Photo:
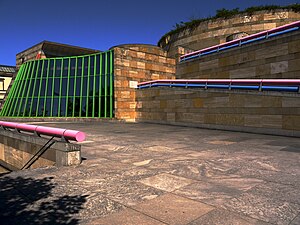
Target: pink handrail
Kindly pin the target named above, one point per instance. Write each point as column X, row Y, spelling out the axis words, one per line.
column 262, row 33
column 50, row 131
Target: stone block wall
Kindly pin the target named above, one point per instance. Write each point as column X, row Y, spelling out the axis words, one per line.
column 213, row 32
column 29, row 54
column 277, row 57
column 250, row 111
column 134, row 64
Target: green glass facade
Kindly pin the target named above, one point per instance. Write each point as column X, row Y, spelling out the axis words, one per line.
column 80, row 86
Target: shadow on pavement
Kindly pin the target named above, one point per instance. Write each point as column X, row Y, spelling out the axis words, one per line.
column 29, row 201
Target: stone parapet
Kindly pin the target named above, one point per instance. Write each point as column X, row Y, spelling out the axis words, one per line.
column 250, row 111
column 16, row 149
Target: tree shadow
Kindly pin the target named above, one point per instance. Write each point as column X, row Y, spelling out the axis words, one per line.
column 30, row 201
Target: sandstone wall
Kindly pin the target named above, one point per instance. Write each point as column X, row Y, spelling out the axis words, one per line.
column 277, row 57
column 29, row 54
column 215, row 32
column 251, row 111
column 133, row 64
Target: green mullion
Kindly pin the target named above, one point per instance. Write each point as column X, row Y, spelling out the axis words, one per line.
column 15, row 91
column 67, row 96
column 75, row 78
column 94, row 91
column 17, row 106
column 88, row 88
column 39, row 95
column 46, row 91
column 82, row 73
column 100, row 84
column 105, row 86
column 24, row 81
column 32, row 96
column 60, row 84
column 53, row 78
column 30, row 82
column 111, row 84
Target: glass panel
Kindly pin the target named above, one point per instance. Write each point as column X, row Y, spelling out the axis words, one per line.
column 34, row 104
column 51, row 68
column 22, row 107
column 77, row 106
column 72, row 69
column 27, row 107
column 66, row 67
column 48, row 107
column 84, row 86
column 98, row 64
column 37, row 87
column 83, row 107
column 97, row 78
column 92, row 60
column 96, row 105
column 41, row 107
column 55, row 107
column 90, row 106
column 45, row 68
column 91, row 86
column 56, row 86
column 43, row 87
column 70, row 106
column 103, row 63
column 79, row 66
column 63, row 107
column 86, row 65
column 78, row 85
column 64, row 86
column 58, row 68
column 49, row 89
column 71, row 86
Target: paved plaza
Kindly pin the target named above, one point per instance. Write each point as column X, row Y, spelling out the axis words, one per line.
column 159, row 174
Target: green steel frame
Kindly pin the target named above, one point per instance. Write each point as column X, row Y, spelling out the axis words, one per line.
column 77, row 86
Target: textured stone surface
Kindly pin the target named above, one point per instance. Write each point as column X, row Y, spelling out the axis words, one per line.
column 222, row 217
column 166, row 182
column 173, row 209
column 134, row 64
column 159, row 174
column 252, row 111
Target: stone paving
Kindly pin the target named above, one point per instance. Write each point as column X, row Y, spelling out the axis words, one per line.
column 159, row 174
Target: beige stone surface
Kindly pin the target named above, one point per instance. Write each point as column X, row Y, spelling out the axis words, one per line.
column 166, row 182
column 239, row 109
column 173, row 209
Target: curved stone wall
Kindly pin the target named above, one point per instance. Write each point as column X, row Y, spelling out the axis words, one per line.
column 215, row 32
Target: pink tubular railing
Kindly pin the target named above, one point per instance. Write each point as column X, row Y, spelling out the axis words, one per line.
column 49, row 131
column 237, row 41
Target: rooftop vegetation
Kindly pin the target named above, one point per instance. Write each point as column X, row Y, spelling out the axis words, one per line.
column 226, row 14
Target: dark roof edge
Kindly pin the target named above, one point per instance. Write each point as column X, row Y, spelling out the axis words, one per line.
column 59, row 44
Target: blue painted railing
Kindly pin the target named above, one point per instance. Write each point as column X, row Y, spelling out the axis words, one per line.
column 285, row 85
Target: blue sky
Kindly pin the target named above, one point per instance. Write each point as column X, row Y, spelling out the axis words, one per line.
column 100, row 24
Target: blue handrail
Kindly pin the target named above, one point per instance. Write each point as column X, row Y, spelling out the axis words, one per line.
column 225, row 86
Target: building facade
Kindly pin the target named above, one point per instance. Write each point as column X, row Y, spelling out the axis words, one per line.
column 6, row 74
